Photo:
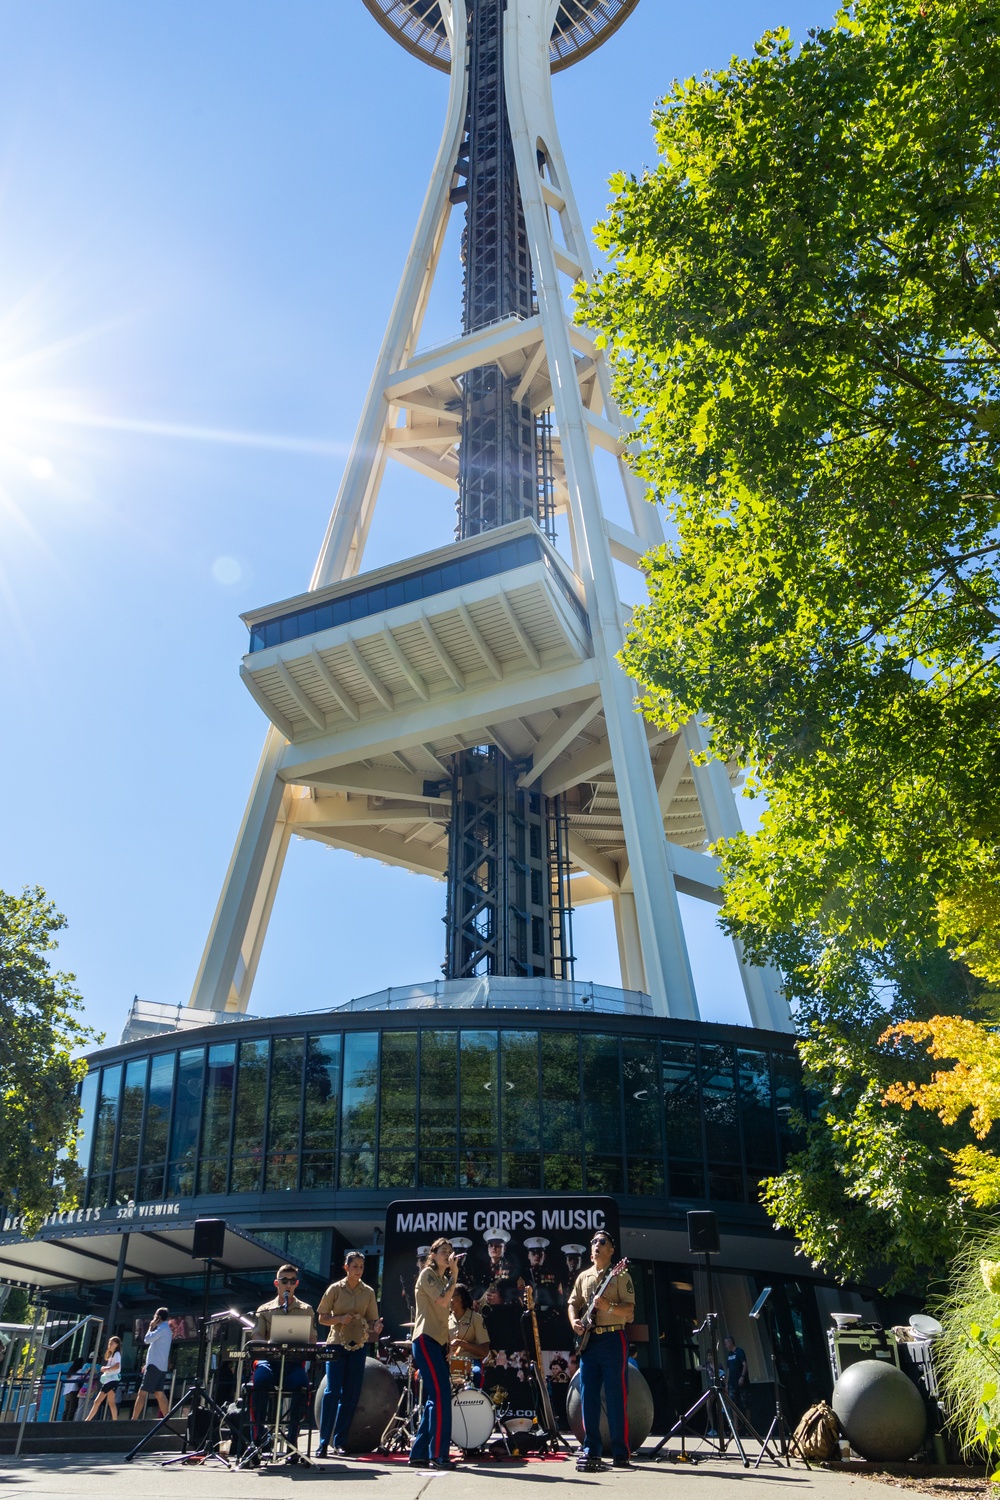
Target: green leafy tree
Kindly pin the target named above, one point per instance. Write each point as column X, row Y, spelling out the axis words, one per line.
column 39, row 1032
column 802, row 308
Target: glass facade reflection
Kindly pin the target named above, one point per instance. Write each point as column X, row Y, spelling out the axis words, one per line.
column 550, row 1107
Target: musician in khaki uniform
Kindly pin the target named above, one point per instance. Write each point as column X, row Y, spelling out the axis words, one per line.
column 349, row 1309
column 265, row 1377
column 470, row 1343
column 604, row 1360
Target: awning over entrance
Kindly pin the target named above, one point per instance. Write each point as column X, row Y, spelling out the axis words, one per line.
column 63, row 1255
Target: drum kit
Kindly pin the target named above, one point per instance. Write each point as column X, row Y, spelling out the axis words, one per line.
column 476, row 1417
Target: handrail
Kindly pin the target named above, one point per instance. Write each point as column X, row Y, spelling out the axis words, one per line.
column 88, row 1318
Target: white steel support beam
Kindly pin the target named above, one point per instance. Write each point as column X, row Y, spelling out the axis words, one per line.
column 533, row 127
column 244, row 907
column 765, row 995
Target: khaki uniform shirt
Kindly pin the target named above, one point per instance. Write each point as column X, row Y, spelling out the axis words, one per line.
column 619, row 1290
column 267, row 1310
column 339, row 1299
column 469, row 1326
column 430, row 1319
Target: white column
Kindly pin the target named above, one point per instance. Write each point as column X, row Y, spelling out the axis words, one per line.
column 629, row 942
column 763, row 988
column 250, row 883
column 668, row 971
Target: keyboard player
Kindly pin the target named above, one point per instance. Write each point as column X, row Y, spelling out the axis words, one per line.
column 266, row 1371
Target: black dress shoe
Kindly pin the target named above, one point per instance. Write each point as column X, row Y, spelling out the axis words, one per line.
column 590, row 1466
column 321, row 1451
column 419, row 1463
column 443, row 1463
column 340, row 1452
column 623, row 1463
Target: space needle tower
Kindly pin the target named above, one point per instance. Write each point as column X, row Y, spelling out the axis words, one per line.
column 462, row 713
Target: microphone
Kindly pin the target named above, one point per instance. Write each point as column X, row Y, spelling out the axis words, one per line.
column 285, row 1309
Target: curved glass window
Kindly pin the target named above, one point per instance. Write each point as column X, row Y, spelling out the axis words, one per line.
column 397, row 1147
column 284, row 1112
column 217, row 1119
column 248, row 1128
column 522, row 1166
column 478, row 1109
column 438, row 1108
column 321, row 1115
column 562, row 1139
column 359, row 1123
column 104, row 1137
column 130, row 1129
column 153, row 1174
column 186, row 1122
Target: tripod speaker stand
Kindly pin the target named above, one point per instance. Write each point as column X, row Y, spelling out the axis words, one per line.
column 203, row 1406
column 721, row 1415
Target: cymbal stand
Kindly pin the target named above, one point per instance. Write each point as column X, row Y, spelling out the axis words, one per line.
column 401, row 1429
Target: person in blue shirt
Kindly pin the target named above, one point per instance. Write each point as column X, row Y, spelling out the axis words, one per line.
column 158, row 1339
column 737, row 1374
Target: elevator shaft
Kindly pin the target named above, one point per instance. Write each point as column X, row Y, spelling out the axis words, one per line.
column 508, row 903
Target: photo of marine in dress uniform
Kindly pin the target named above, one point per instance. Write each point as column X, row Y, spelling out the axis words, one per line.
column 498, row 1265
column 575, row 1256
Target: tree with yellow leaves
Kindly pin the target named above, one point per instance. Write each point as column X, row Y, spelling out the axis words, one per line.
column 973, row 1083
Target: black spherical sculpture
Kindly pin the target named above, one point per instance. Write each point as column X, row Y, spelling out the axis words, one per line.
column 639, row 1410
column 881, row 1411
column 379, row 1395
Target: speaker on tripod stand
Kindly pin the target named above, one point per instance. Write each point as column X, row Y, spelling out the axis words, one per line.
column 721, row 1416
column 204, row 1426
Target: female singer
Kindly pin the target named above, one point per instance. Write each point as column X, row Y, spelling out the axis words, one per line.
column 433, row 1293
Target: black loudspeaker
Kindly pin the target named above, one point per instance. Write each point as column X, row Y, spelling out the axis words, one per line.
column 703, row 1231
column 209, row 1241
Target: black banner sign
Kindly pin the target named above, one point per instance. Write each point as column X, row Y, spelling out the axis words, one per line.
column 509, row 1244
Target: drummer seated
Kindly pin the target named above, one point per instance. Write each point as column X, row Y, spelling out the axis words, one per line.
column 467, row 1334
column 267, row 1372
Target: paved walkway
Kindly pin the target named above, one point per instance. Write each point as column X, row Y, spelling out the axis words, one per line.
column 109, row 1478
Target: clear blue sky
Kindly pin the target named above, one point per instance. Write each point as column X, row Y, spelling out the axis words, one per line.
column 204, row 210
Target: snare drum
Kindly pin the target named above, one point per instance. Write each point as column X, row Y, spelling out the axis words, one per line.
column 461, row 1369
column 473, row 1417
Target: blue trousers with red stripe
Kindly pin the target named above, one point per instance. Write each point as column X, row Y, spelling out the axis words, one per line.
column 433, row 1438
column 604, row 1364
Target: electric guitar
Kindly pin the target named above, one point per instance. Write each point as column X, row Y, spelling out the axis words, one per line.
column 588, row 1316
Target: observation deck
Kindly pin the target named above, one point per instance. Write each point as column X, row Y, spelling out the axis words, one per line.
column 494, row 606
column 581, row 26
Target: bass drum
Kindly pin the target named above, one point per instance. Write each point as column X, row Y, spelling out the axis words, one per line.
column 379, row 1396
column 639, row 1409
column 472, row 1419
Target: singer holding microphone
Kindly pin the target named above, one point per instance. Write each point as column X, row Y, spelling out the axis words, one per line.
column 431, row 1337
column 265, row 1377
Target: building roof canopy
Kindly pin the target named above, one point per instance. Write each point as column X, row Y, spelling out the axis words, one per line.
column 580, row 27
column 63, row 1255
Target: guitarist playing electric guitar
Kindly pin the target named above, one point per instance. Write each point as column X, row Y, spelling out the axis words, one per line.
column 601, row 1303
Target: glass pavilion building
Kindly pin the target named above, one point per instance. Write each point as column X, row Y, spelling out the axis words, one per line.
column 301, row 1129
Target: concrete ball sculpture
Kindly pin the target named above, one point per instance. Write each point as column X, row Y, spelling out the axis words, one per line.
column 379, row 1394
column 880, row 1410
column 639, row 1410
